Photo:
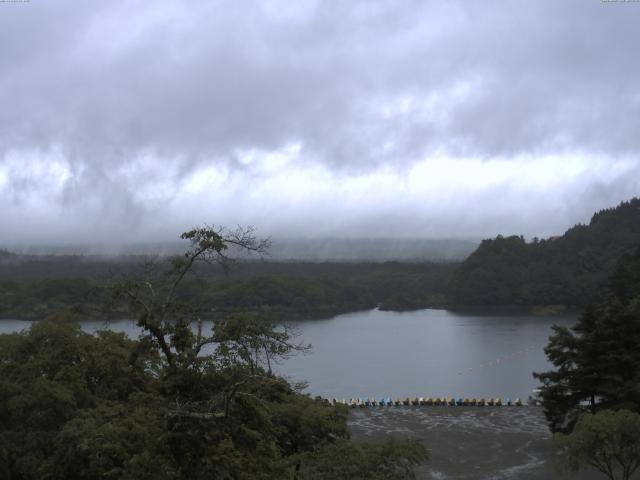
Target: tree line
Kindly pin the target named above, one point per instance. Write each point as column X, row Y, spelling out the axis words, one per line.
column 36, row 287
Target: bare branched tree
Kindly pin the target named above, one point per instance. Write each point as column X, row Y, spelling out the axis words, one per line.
column 172, row 325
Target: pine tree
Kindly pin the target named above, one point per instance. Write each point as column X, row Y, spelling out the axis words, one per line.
column 597, row 360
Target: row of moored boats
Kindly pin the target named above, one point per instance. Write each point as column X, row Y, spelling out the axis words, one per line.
column 420, row 401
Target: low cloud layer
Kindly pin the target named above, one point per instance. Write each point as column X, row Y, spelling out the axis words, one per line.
column 128, row 121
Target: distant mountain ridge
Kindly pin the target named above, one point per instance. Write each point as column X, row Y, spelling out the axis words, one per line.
column 568, row 270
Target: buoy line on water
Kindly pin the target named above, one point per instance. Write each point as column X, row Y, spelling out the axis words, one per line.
column 497, row 361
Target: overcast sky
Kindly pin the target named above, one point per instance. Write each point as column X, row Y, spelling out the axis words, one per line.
column 132, row 120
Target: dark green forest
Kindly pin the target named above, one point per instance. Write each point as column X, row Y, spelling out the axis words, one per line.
column 570, row 270
column 34, row 287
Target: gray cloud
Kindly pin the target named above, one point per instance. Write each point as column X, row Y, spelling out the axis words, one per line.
column 124, row 95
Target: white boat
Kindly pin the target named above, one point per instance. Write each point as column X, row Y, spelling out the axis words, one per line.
column 535, row 398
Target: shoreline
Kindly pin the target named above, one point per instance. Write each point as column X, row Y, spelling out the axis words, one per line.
column 289, row 315
column 470, row 443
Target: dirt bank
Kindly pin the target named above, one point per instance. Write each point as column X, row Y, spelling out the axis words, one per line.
column 479, row 443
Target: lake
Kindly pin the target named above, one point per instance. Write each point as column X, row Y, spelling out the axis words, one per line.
column 418, row 353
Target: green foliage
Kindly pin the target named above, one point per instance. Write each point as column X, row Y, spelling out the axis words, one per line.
column 112, row 441
column 303, row 425
column 78, row 406
column 252, row 341
column 51, row 374
column 597, row 361
column 392, row 460
column 178, row 403
column 607, row 441
column 568, row 270
column 37, row 289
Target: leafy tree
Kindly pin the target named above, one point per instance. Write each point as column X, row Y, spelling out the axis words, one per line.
column 50, row 375
column 112, row 441
column 253, row 341
column 392, row 460
column 607, row 441
column 166, row 319
column 178, row 403
column 597, row 361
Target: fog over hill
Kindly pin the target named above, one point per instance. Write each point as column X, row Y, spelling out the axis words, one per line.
column 289, row 249
column 382, row 249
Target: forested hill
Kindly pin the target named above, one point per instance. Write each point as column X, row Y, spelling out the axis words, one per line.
column 568, row 270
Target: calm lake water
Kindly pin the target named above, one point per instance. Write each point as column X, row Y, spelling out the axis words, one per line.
column 420, row 353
